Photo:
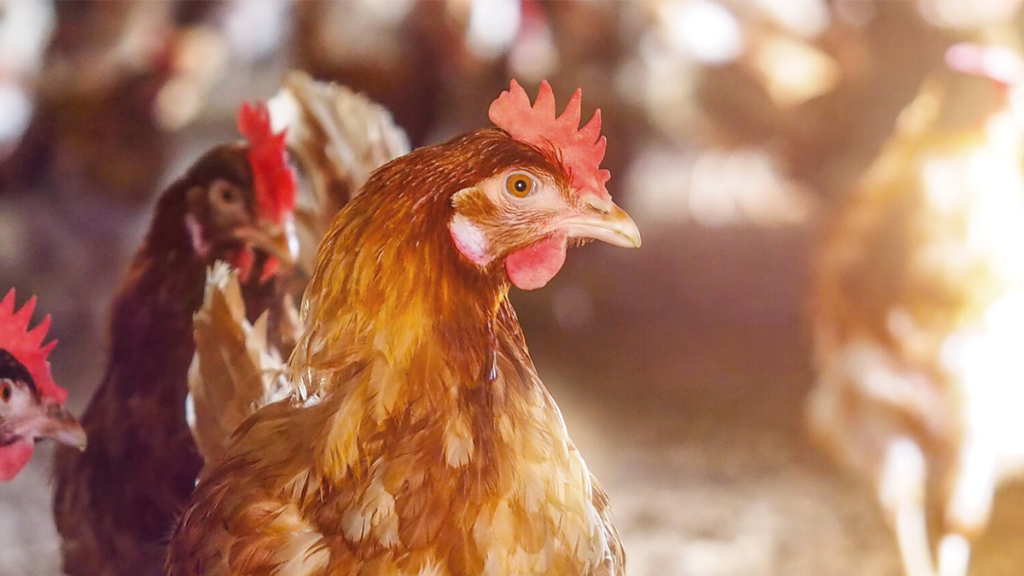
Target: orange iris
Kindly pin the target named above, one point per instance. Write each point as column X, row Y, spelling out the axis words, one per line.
column 519, row 185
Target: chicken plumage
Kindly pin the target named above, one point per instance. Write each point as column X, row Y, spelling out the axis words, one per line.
column 31, row 403
column 918, row 312
column 419, row 438
column 116, row 503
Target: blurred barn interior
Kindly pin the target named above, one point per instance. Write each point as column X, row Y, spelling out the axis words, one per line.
column 734, row 128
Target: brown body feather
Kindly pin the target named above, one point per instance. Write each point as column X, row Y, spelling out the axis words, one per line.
column 420, row 439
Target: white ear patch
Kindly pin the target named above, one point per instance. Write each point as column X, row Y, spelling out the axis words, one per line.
column 470, row 240
column 195, row 232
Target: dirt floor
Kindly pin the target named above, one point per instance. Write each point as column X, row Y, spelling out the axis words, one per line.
column 681, row 369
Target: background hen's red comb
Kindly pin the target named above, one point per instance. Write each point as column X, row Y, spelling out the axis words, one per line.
column 580, row 151
column 27, row 345
column 273, row 180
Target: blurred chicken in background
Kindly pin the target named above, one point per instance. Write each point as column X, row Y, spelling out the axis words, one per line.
column 918, row 311
column 114, row 503
column 117, row 79
column 94, row 123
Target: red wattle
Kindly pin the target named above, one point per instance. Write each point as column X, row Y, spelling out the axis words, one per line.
column 534, row 266
column 14, row 457
column 243, row 260
column 271, row 267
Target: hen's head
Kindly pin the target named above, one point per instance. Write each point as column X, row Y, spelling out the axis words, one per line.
column 550, row 191
column 31, row 403
column 468, row 216
column 239, row 199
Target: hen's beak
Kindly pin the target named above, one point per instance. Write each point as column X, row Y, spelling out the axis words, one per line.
column 277, row 240
column 52, row 421
column 605, row 221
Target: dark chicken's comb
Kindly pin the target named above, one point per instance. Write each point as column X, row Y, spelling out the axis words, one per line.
column 27, row 345
column 273, row 180
column 580, row 151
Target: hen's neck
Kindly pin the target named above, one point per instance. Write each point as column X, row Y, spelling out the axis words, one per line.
column 151, row 336
column 395, row 293
column 399, row 330
column 151, row 326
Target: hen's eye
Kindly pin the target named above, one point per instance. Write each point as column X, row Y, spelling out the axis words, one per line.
column 5, row 390
column 224, row 194
column 519, row 185
column 227, row 195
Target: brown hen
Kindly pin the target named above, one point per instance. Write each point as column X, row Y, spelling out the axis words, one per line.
column 116, row 503
column 419, row 438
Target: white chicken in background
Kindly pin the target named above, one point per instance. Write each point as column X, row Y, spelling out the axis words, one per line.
column 918, row 312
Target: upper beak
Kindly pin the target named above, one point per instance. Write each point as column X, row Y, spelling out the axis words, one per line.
column 604, row 221
column 55, row 422
column 278, row 240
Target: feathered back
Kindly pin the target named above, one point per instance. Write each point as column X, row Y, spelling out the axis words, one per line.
column 27, row 345
column 337, row 138
column 234, row 370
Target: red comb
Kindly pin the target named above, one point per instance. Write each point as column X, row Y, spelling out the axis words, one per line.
column 580, row 151
column 27, row 345
column 273, row 180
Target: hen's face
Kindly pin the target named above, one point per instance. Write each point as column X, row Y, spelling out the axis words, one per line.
column 224, row 221
column 526, row 217
column 26, row 416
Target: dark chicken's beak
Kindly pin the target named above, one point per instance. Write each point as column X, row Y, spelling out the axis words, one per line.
column 52, row 421
column 604, row 221
column 277, row 240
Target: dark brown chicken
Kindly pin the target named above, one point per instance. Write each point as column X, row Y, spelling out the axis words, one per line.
column 115, row 503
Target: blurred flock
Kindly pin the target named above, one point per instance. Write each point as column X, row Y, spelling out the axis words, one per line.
column 735, row 129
